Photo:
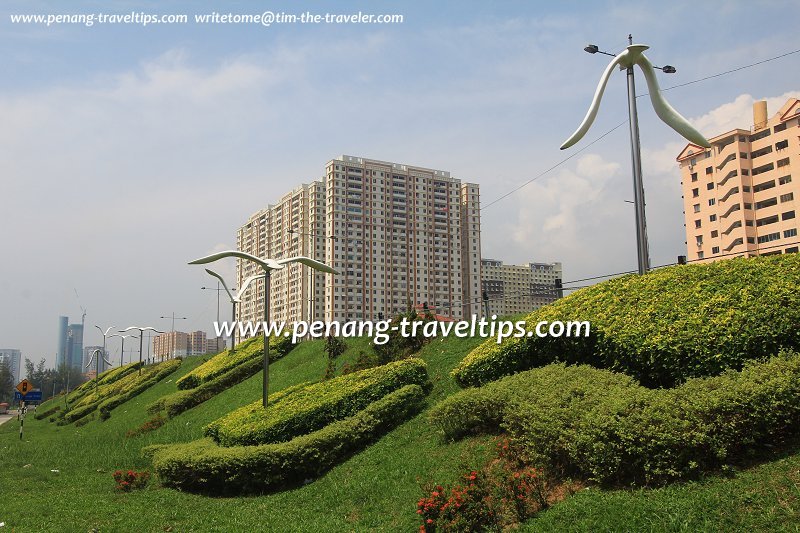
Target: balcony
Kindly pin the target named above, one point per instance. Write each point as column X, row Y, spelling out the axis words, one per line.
column 731, row 174
column 728, row 194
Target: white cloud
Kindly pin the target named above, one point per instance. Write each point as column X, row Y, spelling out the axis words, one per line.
column 738, row 113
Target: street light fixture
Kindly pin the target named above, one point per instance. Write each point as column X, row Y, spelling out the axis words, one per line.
column 235, row 298
column 634, row 55
column 174, row 318
column 141, row 336
column 218, row 289
column 122, row 349
column 267, row 265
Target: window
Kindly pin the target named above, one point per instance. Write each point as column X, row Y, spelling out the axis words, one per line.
column 764, row 151
column 710, row 186
column 700, row 255
column 742, row 155
column 784, row 180
column 766, row 221
column 695, row 193
column 780, row 127
column 788, row 215
column 783, row 162
column 787, row 197
column 715, row 250
column 694, row 176
column 709, row 170
column 760, row 135
column 712, row 218
column 767, row 203
column 714, row 234
column 792, row 250
column 782, row 145
column 697, row 223
column 751, row 240
column 769, row 237
column 696, row 208
column 790, row 233
column 712, row 201
column 764, row 186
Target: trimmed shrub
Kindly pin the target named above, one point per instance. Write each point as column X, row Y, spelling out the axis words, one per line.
column 202, row 466
column 183, row 400
column 106, row 378
column 225, row 361
column 662, row 328
column 314, row 406
column 110, row 395
column 160, row 371
column 577, row 420
column 45, row 414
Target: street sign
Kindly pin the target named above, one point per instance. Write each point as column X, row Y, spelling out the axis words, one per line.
column 31, row 396
column 24, row 387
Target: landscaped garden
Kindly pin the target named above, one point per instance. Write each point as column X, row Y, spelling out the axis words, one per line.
column 680, row 412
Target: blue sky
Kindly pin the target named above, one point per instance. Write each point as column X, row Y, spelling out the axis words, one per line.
column 130, row 150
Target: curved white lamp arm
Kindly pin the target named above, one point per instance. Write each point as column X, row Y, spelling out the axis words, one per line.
column 666, row 112
column 633, row 55
column 148, row 328
column 267, row 264
column 246, row 284
column 313, row 263
column 230, row 294
column 595, row 105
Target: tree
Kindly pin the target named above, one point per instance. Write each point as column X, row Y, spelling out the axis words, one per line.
column 6, row 383
column 334, row 347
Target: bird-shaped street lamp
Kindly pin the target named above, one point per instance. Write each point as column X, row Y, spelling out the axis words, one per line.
column 236, row 298
column 267, row 265
column 141, row 336
column 634, row 55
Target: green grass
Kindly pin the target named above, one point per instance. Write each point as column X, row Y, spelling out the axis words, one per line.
column 376, row 490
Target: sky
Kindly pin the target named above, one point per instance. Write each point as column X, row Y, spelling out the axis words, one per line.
column 128, row 150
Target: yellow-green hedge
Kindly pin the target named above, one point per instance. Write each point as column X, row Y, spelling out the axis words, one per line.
column 202, row 466
column 662, row 328
column 314, row 406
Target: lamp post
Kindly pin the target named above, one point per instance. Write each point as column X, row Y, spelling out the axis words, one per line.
column 218, row 289
column 312, row 288
column 122, row 349
column 174, row 318
column 141, row 336
column 105, row 334
column 267, row 265
column 634, row 55
column 235, row 298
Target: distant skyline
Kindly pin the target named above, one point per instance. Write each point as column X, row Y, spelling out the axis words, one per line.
column 130, row 150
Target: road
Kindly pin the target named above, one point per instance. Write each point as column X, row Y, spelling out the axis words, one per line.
column 12, row 414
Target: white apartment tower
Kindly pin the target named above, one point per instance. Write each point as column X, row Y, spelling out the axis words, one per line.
column 398, row 234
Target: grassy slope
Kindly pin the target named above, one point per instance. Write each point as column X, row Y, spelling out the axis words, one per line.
column 375, row 490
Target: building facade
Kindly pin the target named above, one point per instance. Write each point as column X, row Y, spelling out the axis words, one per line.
column 70, row 344
column 514, row 289
column 13, row 358
column 398, row 234
column 181, row 344
column 740, row 195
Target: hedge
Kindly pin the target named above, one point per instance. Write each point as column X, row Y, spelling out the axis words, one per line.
column 161, row 371
column 202, row 466
column 183, row 400
column 105, row 378
column 314, row 406
column 225, row 361
column 581, row 421
column 664, row 327
column 109, row 395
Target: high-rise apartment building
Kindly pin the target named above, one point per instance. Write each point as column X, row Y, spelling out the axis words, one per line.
column 398, row 234
column 181, row 344
column 740, row 196
column 513, row 289
column 13, row 358
column 294, row 226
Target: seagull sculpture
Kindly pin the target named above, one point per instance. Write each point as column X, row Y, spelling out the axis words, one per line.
column 141, row 337
column 634, row 55
column 235, row 298
column 267, row 265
